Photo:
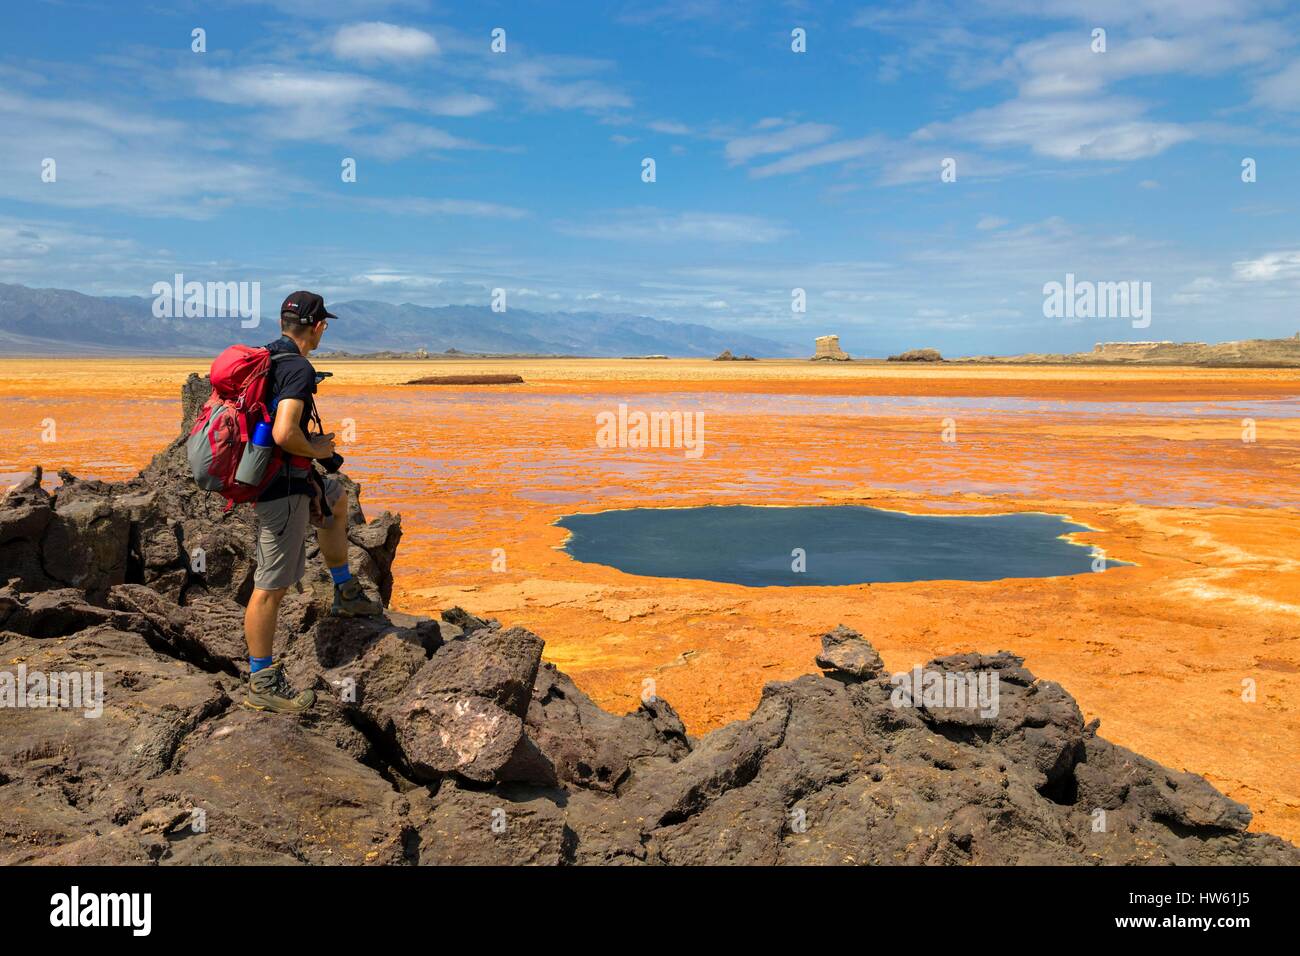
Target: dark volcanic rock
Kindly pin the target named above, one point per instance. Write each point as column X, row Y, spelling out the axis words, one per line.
column 497, row 665
column 462, row 712
column 66, row 768
column 507, row 825
column 591, row 748
column 449, row 741
column 26, row 514
column 275, row 789
column 55, row 613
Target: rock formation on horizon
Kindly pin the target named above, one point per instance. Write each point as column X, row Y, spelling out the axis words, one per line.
column 503, row 379
column 828, row 349
column 450, row 740
column 1245, row 353
column 917, row 355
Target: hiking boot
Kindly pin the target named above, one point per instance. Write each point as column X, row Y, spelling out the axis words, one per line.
column 268, row 690
column 351, row 601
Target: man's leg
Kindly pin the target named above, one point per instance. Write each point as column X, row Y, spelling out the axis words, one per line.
column 281, row 559
column 349, row 599
column 259, row 620
column 333, row 538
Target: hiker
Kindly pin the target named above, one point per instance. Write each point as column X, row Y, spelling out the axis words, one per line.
column 298, row 496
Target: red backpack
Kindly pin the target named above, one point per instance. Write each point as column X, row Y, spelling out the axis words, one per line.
column 226, row 422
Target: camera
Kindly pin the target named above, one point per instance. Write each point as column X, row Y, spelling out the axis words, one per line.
column 333, row 463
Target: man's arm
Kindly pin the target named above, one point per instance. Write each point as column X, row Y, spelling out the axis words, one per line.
column 288, row 434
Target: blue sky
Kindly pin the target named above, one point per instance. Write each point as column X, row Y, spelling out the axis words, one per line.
column 775, row 170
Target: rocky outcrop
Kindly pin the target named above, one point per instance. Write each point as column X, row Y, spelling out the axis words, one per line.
column 828, row 349
column 726, row 356
column 467, row 380
column 450, row 740
column 917, row 355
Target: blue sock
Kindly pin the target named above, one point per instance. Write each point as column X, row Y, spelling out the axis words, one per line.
column 255, row 664
column 341, row 575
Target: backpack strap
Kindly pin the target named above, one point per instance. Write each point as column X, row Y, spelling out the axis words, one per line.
column 276, row 357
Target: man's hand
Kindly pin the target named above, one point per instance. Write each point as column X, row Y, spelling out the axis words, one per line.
column 324, row 445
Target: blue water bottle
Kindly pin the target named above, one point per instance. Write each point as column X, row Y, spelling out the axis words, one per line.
column 257, row 454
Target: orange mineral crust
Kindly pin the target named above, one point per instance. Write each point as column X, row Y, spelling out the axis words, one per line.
column 1191, row 656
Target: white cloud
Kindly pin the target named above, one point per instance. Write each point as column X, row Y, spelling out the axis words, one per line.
column 108, row 158
column 903, row 164
column 744, row 148
column 990, row 222
column 1064, row 108
column 301, row 103
column 649, row 225
column 1065, row 65
column 292, row 88
column 425, row 206
column 669, row 127
column 1144, row 12
column 324, row 104
column 378, row 41
column 38, row 252
column 1200, row 289
column 97, row 116
column 394, row 279
column 400, row 140
column 820, row 156
column 557, row 82
column 1281, row 91
column 1099, row 128
column 460, row 104
column 1268, row 267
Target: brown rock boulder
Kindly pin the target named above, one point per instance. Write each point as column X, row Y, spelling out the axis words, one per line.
column 462, row 712
column 846, row 652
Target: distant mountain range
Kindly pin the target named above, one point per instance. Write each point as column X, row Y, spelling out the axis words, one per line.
column 60, row 321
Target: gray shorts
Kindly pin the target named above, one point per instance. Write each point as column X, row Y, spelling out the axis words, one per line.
column 284, row 524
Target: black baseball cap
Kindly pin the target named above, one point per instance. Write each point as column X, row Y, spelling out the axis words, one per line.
column 307, row 307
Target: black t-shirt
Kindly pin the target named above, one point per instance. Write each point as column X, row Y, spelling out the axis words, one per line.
column 292, row 377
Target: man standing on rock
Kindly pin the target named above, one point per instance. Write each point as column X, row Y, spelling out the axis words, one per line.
column 296, row 498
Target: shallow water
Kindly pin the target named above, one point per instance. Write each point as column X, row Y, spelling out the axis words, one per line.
column 842, row 544
column 422, row 453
